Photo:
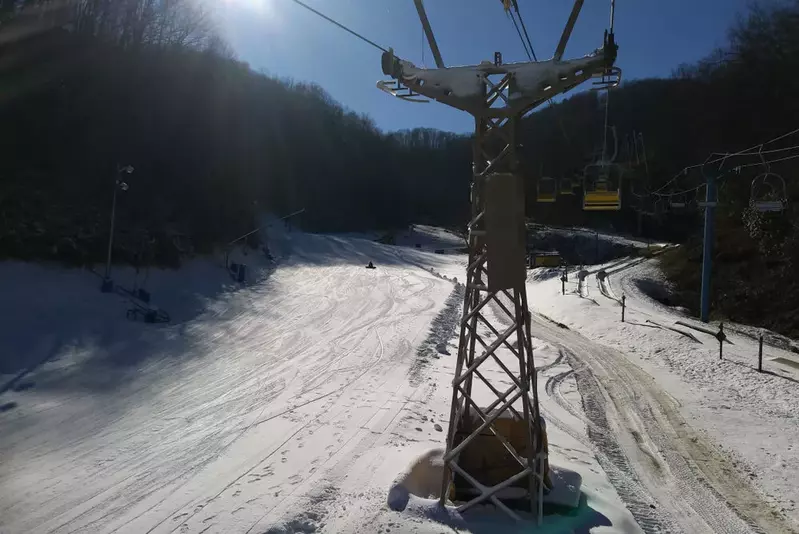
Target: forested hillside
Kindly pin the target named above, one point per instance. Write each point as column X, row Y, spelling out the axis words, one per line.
column 737, row 99
column 110, row 83
column 96, row 84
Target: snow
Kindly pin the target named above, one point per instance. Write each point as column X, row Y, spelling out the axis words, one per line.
column 752, row 416
column 569, row 451
column 459, row 81
column 534, row 79
column 605, row 236
column 430, row 238
column 301, row 400
column 287, row 404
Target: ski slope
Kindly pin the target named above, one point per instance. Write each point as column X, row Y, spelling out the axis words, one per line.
column 271, row 393
column 734, row 429
column 292, row 404
column 289, row 405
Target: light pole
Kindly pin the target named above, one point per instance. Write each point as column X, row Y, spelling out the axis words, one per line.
column 107, row 284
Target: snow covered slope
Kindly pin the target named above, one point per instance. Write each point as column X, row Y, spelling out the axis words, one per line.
column 430, row 238
column 673, row 393
column 288, row 405
column 271, row 392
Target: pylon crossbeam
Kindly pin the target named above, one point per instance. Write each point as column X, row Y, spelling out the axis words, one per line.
column 483, row 357
column 494, row 331
column 492, row 164
column 505, row 443
column 495, row 391
column 479, row 306
column 500, row 363
column 497, row 90
column 502, row 407
column 507, row 345
column 487, row 492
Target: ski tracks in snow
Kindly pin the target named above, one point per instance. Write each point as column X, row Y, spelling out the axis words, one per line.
column 671, row 479
column 372, row 400
column 286, row 388
column 668, row 475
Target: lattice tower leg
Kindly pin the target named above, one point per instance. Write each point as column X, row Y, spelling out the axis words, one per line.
column 494, row 150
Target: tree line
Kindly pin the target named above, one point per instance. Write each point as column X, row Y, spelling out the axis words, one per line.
column 98, row 83
column 739, row 96
column 87, row 85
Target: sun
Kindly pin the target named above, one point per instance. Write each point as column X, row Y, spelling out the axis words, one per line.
column 261, row 7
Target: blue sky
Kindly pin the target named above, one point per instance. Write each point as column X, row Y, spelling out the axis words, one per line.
column 284, row 39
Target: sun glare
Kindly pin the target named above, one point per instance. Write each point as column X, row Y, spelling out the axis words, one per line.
column 261, row 7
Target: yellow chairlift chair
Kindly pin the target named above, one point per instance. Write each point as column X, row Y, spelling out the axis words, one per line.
column 602, row 187
column 546, row 190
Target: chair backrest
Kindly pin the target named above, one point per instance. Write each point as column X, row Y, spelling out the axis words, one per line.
column 546, row 190
column 601, row 201
column 768, row 193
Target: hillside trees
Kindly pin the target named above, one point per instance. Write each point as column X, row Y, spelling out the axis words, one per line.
column 147, row 83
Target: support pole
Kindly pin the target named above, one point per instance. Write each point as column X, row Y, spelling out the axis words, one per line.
column 567, row 30
column 623, row 306
column 596, row 253
column 707, row 253
column 641, row 224
column 760, row 354
column 111, row 231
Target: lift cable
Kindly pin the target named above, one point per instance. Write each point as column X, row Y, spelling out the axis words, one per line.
column 356, row 34
column 530, row 54
column 521, row 21
column 678, row 193
column 747, row 152
column 605, row 130
column 767, row 162
column 772, row 151
column 730, row 171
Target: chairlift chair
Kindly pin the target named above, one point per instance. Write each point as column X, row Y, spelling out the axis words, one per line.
column 646, row 205
column 566, row 186
column 639, row 190
column 652, row 206
column 660, row 207
column 768, row 193
column 546, row 190
column 678, row 202
column 602, row 187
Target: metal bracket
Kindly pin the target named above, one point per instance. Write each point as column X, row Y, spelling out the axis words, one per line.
column 609, row 79
column 395, row 88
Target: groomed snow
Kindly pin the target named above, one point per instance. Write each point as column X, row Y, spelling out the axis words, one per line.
column 287, row 405
column 751, row 416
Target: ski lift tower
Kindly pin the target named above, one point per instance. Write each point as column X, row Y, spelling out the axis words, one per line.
column 498, row 96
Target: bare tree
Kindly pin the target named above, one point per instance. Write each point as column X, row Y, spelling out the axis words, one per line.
column 181, row 23
column 132, row 23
